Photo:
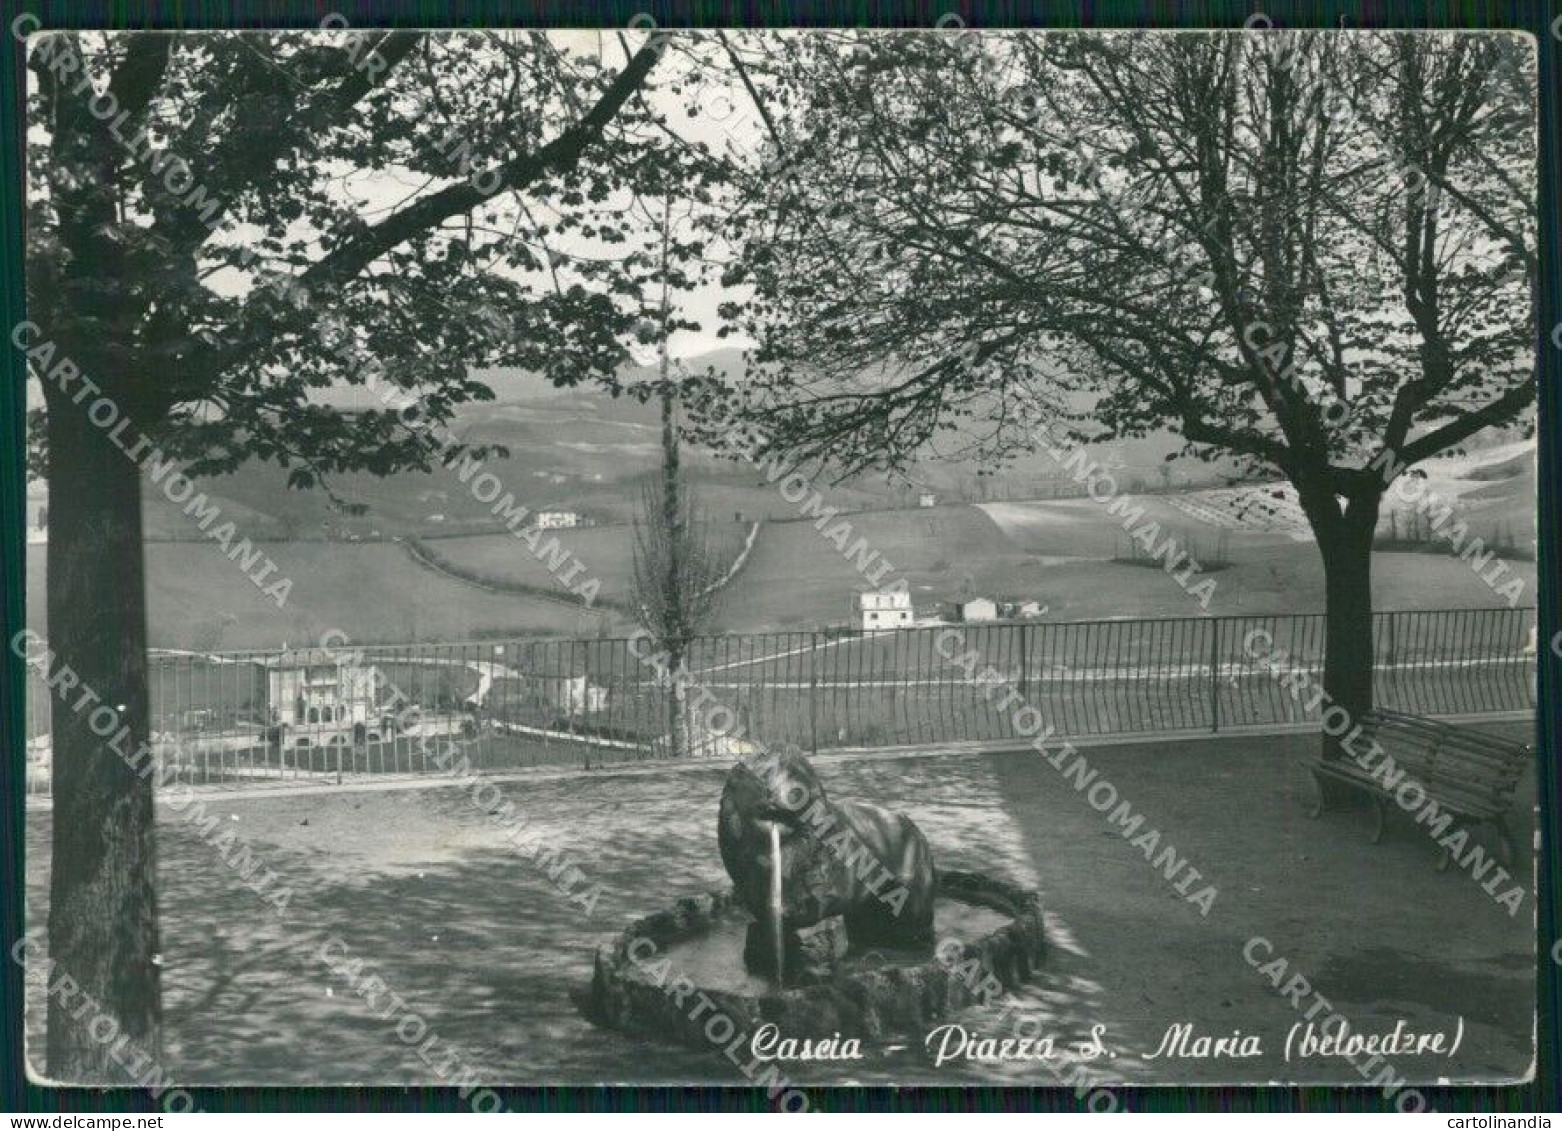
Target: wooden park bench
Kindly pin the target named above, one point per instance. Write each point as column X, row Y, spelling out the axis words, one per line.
column 1468, row 773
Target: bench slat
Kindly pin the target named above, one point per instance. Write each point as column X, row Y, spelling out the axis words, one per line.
column 1469, row 773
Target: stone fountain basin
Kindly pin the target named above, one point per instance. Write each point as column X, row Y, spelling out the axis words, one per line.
column 635, row 983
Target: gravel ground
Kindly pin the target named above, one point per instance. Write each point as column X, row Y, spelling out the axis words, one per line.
column 486, row 949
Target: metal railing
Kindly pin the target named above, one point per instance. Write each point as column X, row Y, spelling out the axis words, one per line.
column 248, row 717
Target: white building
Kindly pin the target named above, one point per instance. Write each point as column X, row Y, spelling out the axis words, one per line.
column 557, row 520
column 568, row 694
column 877, row 612
column 978, row 609
column 927, row 499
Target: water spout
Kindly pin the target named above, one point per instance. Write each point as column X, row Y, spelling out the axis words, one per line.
column 777, row 931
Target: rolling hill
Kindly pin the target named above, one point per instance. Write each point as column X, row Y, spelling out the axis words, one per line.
column 580, row 449
column 583, row 449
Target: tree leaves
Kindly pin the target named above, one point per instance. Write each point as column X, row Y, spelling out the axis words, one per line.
column 1212, row 233
column 287, row 145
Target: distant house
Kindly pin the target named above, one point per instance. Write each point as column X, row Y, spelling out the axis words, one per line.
column 977, row 609
column 557, row 520
column 568, row 694
column 318, row 698
column 927, row 499
column 877, row 612
column 559, row 685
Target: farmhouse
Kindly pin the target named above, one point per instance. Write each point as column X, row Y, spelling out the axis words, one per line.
column 318, row 697
column 550, row 684
column 557, row 520
column 877, row 612
column 977, row 609
column 927, row 499
column 568, row 694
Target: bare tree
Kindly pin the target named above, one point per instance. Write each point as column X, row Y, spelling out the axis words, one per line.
column 675, row 573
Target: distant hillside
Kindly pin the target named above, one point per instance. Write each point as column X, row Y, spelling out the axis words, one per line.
column 585, row 450
column 1068, row 555
column 519, row 385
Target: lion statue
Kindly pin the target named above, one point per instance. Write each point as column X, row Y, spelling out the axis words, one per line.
column 870, row 866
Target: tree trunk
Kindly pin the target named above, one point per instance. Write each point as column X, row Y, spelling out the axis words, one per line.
column 677, row 728
column 675, row 614
column 1348, row 640
column 672, row 515
column 102, row 901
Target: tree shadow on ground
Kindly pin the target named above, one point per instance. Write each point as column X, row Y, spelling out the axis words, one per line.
column 424, row 893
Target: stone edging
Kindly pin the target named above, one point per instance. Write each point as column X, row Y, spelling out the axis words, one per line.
column 634, row 996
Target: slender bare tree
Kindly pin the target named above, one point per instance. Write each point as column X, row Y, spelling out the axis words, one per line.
column 675, row 573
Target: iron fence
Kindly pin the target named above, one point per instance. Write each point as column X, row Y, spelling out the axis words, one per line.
column 250, row 717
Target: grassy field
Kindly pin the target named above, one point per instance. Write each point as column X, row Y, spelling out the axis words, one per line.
column 607, row 552
column 1060, row 554
column 1068, row 555
column 374, row 592
column 580, row 452
column 794, row 579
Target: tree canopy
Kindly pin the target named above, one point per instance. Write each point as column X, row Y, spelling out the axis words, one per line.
column 1304, row 249
column 223, row 224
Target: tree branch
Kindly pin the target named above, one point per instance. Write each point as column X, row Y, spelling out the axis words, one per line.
column 427, row 212
column 1499, row 411
column 139, row 77
column 349, row 259
column 187, row 228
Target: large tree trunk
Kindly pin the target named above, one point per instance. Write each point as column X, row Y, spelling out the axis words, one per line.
column 1348, row 643
column 102, row 903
